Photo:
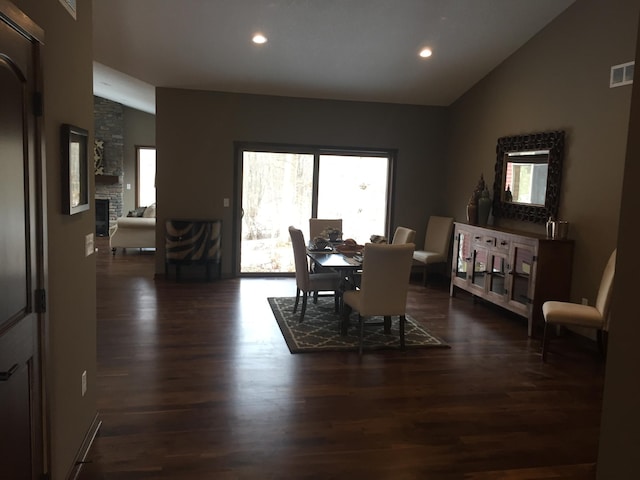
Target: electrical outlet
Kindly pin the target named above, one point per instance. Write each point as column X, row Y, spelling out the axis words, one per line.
column 225, row 202
column 84, row 382
column 585, row 301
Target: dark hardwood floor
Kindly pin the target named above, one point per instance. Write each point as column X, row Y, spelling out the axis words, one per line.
column 196, row 382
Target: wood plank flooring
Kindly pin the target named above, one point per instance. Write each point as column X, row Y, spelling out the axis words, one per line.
column 196, row 382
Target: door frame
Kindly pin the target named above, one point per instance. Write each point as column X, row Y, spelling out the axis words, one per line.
column 316, row 150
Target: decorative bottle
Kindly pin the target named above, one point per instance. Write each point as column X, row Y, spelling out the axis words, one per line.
column 484, row 207
column 472, row 211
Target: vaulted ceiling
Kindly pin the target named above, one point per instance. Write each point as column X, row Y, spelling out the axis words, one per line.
column 364, row 50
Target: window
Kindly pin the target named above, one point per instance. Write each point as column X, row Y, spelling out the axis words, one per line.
column 145, row 176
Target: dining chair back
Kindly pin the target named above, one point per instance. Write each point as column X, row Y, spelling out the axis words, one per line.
column 307, row 282
column 318, row 225
column 383, row 289
column 403, row 235
column 437, row 243
column 574, row 314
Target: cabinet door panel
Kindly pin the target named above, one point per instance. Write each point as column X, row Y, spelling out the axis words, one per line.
column 480, row 267
column 463, row 256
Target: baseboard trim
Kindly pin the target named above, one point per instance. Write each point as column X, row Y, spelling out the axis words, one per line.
column 81, row 456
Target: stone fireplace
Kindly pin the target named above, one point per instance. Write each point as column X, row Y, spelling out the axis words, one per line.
column 109, row 129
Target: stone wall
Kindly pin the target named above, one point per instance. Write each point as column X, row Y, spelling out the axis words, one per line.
column 109, row 128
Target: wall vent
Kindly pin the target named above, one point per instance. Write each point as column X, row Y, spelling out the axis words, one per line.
column 621, row 74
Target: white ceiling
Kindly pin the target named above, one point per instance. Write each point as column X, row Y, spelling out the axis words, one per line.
column 340, row 49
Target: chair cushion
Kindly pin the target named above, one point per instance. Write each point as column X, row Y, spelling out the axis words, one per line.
column 565, row 313
column 428, row 257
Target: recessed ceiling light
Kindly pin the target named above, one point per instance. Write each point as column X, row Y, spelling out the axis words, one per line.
column 425, row 52
column 259, row 38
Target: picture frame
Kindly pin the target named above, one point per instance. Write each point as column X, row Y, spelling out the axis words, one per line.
column 75, row 169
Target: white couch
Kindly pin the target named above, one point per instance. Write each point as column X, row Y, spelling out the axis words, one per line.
column 134, row 232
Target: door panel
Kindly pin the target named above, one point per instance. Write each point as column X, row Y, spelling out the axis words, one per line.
column 21, row 257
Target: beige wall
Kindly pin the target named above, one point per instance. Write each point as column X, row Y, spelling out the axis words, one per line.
column 68, row 98
column 196, row 131
column 558, row 81
column 139, row 131
column 620, row 431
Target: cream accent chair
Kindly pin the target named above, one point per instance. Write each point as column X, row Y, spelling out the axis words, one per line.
column 574, row 314
column 318, row 225
column 437, row 242
column 310, row 282
column 403, row 235
column 383, row 291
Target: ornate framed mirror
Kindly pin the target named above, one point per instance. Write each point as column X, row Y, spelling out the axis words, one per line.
column 527, row 176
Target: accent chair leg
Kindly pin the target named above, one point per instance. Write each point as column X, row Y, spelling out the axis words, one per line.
column 295, row 305
column 344, row 318
column 304, row 307
column 402, row 322
column 545, row 341
column 361, row 324
column 602, row 342
column 387, row 325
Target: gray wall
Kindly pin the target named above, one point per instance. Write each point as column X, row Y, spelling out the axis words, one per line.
column 558, row 81
column 196, row 131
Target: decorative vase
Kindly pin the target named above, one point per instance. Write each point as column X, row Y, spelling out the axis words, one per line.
column 484, row 207
column 472, row 213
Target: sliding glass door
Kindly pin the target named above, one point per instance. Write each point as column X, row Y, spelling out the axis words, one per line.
column 280, row 188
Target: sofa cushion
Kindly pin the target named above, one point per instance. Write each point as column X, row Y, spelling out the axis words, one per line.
column 136, row 222
column 150, row 211
column 138, row 212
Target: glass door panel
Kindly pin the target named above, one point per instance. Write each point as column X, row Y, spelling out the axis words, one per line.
column 480, row 260
column 522, row 268
column 277, row 191
column 464, row 255
column 497, row 282
column 354, row 188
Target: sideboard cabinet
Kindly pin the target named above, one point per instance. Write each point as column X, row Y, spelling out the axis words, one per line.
column 193, row 242
column 515, row 270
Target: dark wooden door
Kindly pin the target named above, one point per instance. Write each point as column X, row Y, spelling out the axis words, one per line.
column 21, row 249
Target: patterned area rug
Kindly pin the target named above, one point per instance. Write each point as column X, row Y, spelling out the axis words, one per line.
column 320, row 331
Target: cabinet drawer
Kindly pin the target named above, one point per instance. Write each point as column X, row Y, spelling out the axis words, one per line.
column 503, row 244
column 486, row 240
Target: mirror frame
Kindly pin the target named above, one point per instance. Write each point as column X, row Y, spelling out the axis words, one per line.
column 552, row 141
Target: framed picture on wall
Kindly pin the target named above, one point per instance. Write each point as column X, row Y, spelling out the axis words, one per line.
column 75, row 171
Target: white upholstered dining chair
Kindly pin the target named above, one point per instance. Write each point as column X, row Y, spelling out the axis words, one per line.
column 403, row 235
column 307, row 282
column 383, row 288
column 578, row 315
column 437, row 242
column 319, row 225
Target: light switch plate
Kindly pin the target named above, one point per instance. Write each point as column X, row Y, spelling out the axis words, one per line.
column 88, row 244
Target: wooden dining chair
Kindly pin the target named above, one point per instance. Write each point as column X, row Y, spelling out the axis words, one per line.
column 307, row 282
column 383, row 288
